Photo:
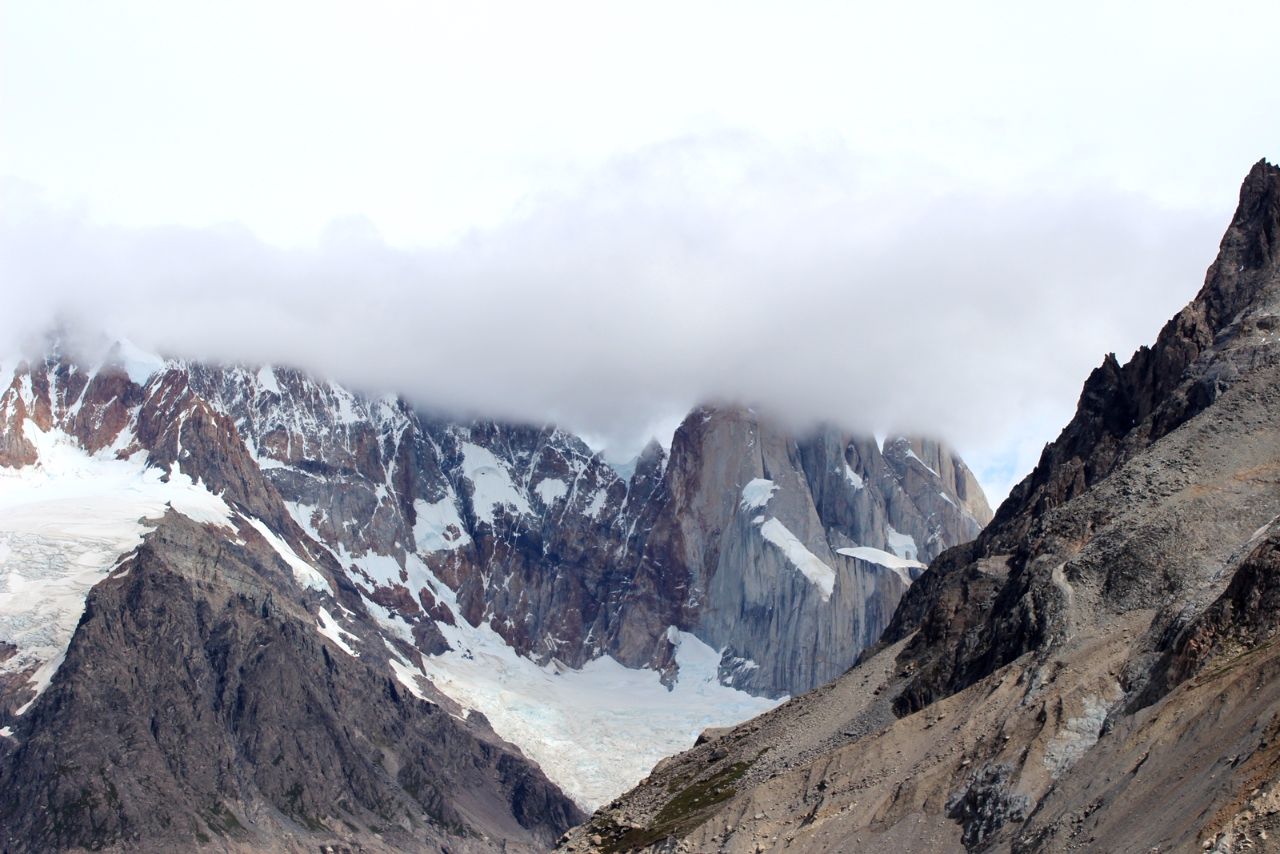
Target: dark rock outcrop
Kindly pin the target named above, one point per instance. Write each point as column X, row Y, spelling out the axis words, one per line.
column 1205, row 349
column 197, row 701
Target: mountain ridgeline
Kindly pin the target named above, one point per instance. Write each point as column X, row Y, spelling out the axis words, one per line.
column 250, row 606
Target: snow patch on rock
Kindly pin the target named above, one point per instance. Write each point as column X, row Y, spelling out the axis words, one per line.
column 757, row 493
column 854, row 479
column 438, row 527
column 596, row 504
column 139, row 364
column 329, row 628
column 800, row 557
column 267, row 379
column 911, row 455
column 903, row 545
column 491, row 483
column 551, row 490
column 900, row 566
column 408, row 677
column 304, row 573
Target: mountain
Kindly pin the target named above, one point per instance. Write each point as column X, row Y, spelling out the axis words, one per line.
column 789, row 554
column 250, row 608
column 184, row 663
column 1096, row 671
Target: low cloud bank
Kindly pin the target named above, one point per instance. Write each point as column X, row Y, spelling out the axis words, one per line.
column 691, row 271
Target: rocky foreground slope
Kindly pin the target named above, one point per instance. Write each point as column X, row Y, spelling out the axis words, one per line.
column 1098, row 671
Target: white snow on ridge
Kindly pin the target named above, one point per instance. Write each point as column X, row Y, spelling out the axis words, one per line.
column 407, row 676
column 800, row 557
column 329, row 628
column 304, row 573
column 551, row 490
column 855, row 480
column 757, row 493
column 899, row 565
column 492, row 483
column 911, row 455
column 139, row 364
column 438, row 527
column 347, row 411
column 267, row 379
column 903, row 545
column 597, row 731
column 64, row 524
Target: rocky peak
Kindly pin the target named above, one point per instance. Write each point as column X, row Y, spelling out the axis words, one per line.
column 788, row 552
column 1222, row 335
column 1123, row 409
column 166, row 596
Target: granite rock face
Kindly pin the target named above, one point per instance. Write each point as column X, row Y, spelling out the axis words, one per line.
column 788, row 553
column 1096, row 671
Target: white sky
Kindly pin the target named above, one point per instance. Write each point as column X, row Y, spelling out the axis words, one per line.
column 836, row 209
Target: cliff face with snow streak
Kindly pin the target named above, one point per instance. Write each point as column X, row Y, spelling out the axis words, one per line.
column 505, row 574
column 789, row 553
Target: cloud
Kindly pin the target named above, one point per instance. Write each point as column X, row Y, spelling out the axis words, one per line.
column 714, row 267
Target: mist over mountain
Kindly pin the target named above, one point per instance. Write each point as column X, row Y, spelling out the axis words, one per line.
column 710, row 269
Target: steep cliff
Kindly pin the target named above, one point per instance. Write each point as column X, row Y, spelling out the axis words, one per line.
column 790, row 553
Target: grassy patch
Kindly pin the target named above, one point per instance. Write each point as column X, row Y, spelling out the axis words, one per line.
column 685, row 811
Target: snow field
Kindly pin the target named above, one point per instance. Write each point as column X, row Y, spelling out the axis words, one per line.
column 595, row 732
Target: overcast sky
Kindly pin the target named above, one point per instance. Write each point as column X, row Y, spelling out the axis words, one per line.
column 932, row 217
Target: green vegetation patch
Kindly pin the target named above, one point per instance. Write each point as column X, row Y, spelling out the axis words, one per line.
column 690, row 807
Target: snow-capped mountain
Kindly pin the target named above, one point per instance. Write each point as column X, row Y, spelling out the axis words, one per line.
column 502, row 581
